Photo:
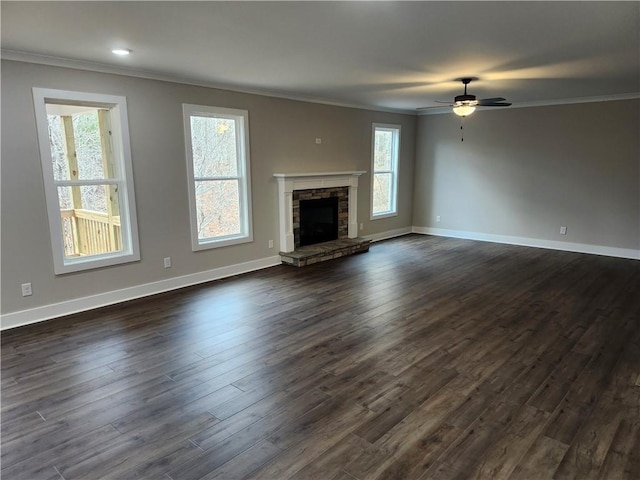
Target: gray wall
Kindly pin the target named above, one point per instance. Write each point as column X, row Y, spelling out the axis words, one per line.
column 282, row 134
column 525, row 172
column 519, row 172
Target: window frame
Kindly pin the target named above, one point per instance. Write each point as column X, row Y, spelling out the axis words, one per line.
column 241, row 119
column 396, row 132
column 123, row 178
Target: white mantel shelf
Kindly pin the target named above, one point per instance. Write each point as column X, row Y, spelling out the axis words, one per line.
column 288, row 182
column 326, row 174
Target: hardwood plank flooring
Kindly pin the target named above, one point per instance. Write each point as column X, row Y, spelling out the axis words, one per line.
column 425, row 358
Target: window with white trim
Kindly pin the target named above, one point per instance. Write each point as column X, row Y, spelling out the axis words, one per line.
column 217, row 143
column 384, row 170
column 88, row 178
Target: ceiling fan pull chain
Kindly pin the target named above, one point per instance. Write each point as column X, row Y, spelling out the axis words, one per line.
column 461, row 129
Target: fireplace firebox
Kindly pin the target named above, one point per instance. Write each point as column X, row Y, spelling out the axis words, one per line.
column 318, row 220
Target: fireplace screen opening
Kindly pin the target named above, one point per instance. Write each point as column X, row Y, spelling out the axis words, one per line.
column 318, row 220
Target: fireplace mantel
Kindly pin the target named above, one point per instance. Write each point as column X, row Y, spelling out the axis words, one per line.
column 288, row 182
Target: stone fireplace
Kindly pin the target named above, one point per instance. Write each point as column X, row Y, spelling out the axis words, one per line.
column 315, row 185
column 295, row 188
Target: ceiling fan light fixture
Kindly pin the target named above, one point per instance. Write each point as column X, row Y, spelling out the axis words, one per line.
column 122, row 52
column 464, row 110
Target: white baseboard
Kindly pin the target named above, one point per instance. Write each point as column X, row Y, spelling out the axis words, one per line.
column 47, row 312
column 532, row 242
column 398, row 232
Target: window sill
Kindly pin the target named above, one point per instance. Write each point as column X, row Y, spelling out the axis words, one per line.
column 380, row 216
column 94, row 262
column 223, row 242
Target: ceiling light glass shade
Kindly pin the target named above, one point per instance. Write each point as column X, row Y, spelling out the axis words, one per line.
column 464, row 110
column 121, row 51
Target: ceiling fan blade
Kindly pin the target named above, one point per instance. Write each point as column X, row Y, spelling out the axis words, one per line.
column 434, row 106
column 496, row 104
column 448, row 102
column 486, row 101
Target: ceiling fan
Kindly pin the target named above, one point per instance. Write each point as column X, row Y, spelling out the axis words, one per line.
column 465, row 104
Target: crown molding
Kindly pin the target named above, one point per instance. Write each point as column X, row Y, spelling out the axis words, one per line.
column 52, row 61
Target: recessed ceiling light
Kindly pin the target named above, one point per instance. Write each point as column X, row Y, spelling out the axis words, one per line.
column 121, row 51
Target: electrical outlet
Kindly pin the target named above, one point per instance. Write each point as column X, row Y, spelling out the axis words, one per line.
column 361, row 226
column 270, row 243
column 437, row 218
column 26, row 289
column 167, row 262
column 563, row 230
column 318, row 141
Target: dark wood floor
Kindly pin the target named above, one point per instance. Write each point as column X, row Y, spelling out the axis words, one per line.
column 426, row 358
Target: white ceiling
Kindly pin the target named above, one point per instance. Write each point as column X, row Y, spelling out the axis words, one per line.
column 389, row 55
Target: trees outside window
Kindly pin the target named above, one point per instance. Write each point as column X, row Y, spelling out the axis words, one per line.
column 384, row 168
column 217, row 143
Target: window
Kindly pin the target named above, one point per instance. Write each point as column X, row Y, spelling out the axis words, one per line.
column 217, row 142
column 384, row 177
column 88, row 179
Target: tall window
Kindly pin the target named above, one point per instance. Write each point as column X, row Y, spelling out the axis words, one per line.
column 217, row 142
column 88, row 178
column 384, row 177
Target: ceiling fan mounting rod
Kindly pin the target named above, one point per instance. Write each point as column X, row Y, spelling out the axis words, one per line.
column 466, row 81
column 465, row 98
